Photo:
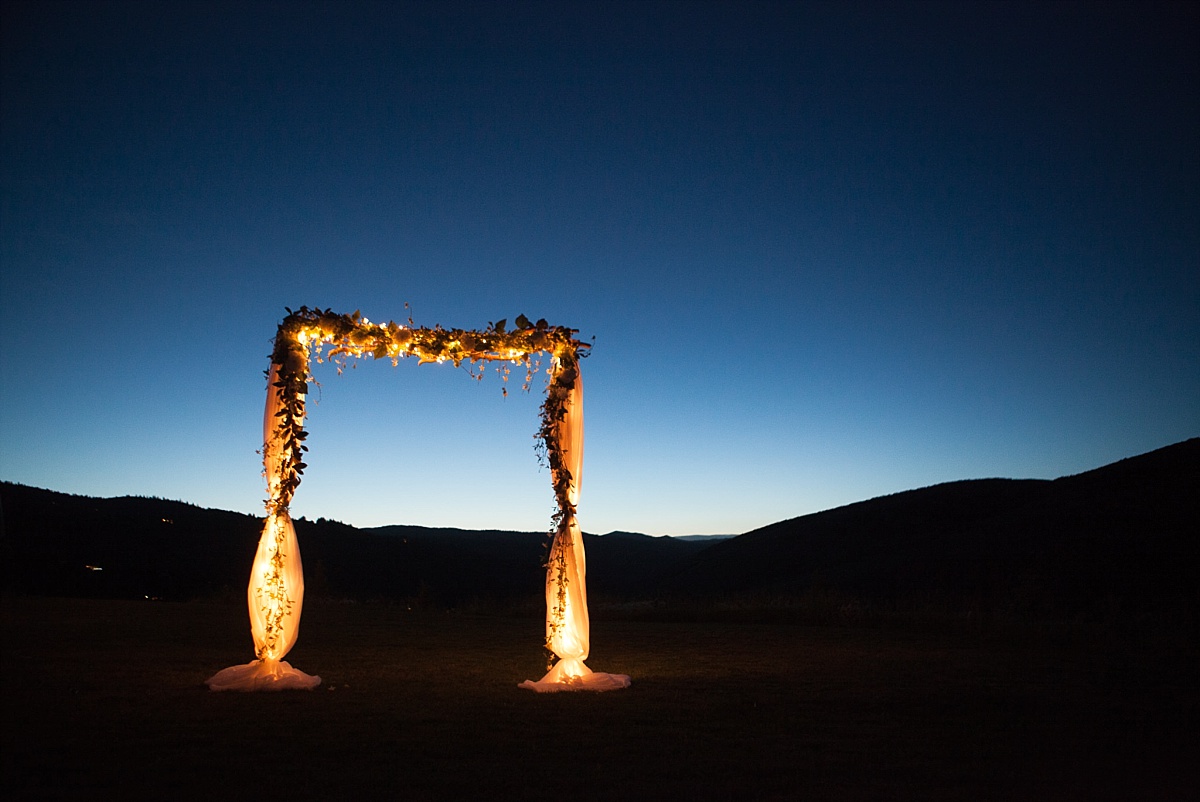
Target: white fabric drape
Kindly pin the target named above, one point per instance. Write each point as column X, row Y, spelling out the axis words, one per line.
column 568, row 628
column 275, row 594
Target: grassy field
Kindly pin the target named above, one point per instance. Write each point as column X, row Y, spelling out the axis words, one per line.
column 106, row 700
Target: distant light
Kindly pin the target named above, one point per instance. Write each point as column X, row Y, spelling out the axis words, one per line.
column 93, row 568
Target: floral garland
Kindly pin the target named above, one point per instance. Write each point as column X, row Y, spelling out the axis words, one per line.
column 553, row 410
column 306, row 332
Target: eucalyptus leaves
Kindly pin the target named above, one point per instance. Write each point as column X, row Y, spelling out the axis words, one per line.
column 307, row 334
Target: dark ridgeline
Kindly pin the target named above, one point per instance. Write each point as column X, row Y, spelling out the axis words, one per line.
column 148, row 547
column 52, row 542
column 453, row 566
column 1119, row 541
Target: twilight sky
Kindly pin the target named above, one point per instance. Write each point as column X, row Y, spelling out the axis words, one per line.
column 826, row 251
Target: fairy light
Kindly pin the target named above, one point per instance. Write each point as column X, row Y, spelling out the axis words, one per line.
column 306, row 333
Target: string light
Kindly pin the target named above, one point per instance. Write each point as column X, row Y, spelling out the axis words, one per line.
column 304, row 335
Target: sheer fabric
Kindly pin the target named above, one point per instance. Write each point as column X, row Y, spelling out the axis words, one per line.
column 275, row 594
column 570, row 639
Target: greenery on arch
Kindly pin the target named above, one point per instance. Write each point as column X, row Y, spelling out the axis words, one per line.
column 324, row 335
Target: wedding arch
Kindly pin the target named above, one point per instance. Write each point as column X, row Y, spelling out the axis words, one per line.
column 275, row 594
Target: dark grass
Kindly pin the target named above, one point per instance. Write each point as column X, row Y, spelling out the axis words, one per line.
column 106, row 700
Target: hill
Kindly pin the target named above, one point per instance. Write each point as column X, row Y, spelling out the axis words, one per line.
column 57, row 544
column 450, row 566
column 134, row 547
column 1118, row 540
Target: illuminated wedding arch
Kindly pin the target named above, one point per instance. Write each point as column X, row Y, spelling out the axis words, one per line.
column 276, row 591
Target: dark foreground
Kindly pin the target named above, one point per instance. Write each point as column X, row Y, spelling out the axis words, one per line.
column 106, row 700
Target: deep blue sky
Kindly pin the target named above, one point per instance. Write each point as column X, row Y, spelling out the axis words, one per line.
column 826, row 251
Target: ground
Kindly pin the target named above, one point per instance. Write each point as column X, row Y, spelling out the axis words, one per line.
column 106, row 699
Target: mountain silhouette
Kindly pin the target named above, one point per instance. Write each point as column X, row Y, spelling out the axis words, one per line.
column 1121, row 539
column 135, row 547
column 1116, row 541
